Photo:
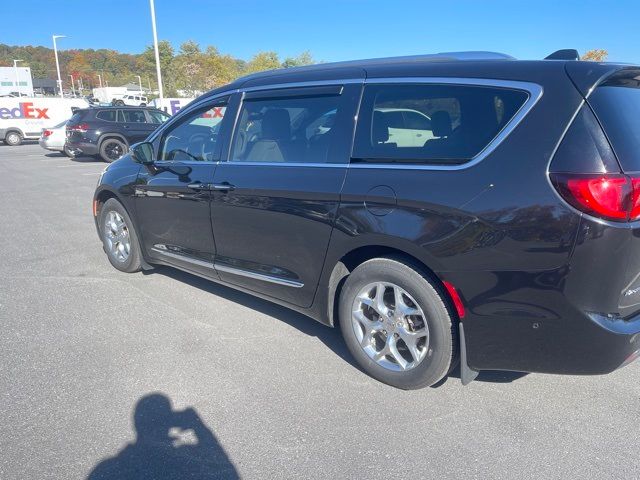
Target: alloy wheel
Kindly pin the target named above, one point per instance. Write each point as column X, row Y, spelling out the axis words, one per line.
column 116, row 236
column 390, row 326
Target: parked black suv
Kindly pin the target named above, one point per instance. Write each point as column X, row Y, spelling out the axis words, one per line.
column 108, row 131
column 452, row 207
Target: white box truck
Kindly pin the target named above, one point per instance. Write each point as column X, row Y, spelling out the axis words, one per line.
column 24, row 117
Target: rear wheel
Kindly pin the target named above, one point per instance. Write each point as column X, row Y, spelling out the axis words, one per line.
column 13, row 138
column 112, row 149
column 396, row 324
column 119, row 237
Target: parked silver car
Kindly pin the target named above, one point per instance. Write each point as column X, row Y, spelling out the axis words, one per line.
column 54, row 138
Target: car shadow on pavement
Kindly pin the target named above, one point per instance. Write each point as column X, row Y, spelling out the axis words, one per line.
column 170, row 444
column 331, row 337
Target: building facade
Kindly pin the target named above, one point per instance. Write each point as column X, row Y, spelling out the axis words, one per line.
column 16, row 80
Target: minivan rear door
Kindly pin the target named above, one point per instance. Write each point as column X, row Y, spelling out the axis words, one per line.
column 274, row 201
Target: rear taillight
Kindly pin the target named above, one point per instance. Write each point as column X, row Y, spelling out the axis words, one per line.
column 46, row 133
column 81, row 127
column 611, row 196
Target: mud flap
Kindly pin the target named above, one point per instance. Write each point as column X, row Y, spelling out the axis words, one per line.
column 467, row 374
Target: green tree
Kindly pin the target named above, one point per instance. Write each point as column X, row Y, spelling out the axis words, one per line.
column 305, row 58
column 263, row 61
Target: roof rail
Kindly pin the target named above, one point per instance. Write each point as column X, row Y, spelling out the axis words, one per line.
column 564, row 54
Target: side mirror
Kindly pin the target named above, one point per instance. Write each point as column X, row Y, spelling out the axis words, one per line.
column 142, row 152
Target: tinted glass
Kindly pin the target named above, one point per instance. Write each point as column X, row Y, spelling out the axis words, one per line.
column 158, row 117
column 447, row 124
column 617, row 106
column 134, row 116
column 108, row 115
column 291, row 130
column 196, row 137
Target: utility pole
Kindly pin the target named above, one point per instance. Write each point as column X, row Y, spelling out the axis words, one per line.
column 139, row 84
column 155, row 47
column 15, row 67
column 55, row 52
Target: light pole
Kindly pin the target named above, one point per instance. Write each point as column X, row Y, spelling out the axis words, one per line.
column 15, row 67
column 73, row 89
column 155, row 47
column 55, row 52
column 139, row 84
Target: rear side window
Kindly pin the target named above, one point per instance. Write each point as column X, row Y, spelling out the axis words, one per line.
column 432, row 124
column 616, row 103
column 286, row 129
column 108, row 115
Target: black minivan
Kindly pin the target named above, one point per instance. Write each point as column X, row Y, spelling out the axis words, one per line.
column 442, row 209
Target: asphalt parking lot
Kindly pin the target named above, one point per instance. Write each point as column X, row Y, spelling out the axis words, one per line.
column 257, row 391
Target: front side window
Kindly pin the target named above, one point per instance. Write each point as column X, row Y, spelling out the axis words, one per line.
column 432, row 123
column 134, row 116
column 286, row 129
column 158, row 117
column 197, row 137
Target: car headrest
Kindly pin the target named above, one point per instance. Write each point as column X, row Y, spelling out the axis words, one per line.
column 276, row 124
column 441, row 123
column 379, row 128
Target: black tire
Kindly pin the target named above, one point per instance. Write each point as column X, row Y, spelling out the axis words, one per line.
column 112, row 149
column 13, row 138
column 442, row 348
column 143, row 104
column 133, row 262
column 119, row 103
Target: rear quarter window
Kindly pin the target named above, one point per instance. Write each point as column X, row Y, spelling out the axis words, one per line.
column 432, row 123
column 616, row 103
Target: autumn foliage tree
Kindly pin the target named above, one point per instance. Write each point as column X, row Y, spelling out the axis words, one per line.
column 191, row 70
column 597, row 55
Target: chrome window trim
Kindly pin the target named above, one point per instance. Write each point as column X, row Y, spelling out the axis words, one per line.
column 534, row 90
column 257, row 276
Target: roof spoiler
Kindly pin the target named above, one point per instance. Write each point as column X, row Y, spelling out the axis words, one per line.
column 565, row 54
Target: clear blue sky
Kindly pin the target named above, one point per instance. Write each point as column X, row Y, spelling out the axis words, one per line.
column 334, row 30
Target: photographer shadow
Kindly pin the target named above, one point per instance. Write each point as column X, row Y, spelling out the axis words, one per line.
column 170, row 444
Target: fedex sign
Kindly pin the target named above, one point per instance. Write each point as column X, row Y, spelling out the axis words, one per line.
column 24, row 110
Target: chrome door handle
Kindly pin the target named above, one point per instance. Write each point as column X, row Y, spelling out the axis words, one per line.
column 198, row 186
column 223, row 187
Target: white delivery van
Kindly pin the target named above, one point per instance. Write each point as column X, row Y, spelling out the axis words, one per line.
column 24, row 117
column 170, row 105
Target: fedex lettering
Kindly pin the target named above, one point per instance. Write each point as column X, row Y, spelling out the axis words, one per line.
column 25, row 110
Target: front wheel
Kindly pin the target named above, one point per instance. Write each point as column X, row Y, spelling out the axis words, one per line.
column 112, row 149
column 119, row 238
column 396, row 324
